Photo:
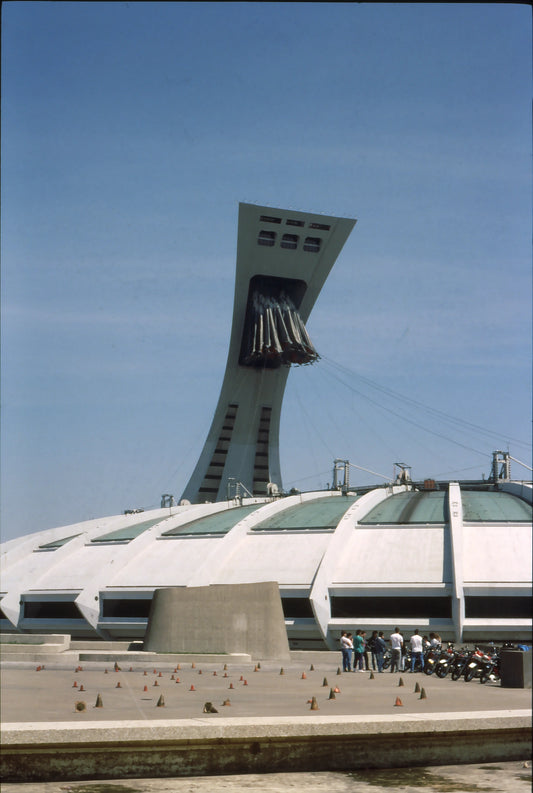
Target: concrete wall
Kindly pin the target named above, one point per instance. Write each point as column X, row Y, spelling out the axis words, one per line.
column 118, row 750
column 222, row 618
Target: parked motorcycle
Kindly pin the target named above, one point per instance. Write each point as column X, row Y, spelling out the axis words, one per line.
column 445, row 661
column 475, row 664
column 431, row 657
column 459, row 663
column 491, row 670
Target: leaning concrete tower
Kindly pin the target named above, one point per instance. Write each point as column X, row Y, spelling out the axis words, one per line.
column 283, row 260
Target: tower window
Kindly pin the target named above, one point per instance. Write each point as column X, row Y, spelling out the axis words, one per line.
column 267, row 238
column 320, row 226
column 312, row 244
column 269, row 219
column 292, row 222
column 290, row 241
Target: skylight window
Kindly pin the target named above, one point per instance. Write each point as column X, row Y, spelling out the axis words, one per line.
column 312, row 244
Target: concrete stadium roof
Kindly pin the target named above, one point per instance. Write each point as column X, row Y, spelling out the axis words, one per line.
column 395, row 554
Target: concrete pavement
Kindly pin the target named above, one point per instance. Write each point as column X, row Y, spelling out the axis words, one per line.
column 152, row 719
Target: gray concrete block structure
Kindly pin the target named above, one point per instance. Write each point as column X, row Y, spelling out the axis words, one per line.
column 233, row 618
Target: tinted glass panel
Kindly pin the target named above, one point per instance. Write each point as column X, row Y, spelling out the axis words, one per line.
column 126, row 608
column 50, row 609
column 392, row 607
column 491, row 607
column 297, row 608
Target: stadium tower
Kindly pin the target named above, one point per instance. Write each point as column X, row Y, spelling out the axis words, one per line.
column 283, row 260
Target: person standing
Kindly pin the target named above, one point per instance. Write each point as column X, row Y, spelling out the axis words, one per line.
column 380, row 648
column 346, row 649
column 371, row 645
column 366, row 649
column 358, row 649
column 416, row 651
column 396, row 641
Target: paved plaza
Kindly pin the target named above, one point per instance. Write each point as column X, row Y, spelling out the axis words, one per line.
column 242, row 690
column 67, row 702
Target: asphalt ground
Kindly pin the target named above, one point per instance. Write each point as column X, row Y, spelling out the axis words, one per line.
column 241, row 690
column 511, row 777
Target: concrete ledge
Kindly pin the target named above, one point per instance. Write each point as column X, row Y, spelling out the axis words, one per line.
column 217, row 745
column 32, row 649
column 100, row 645
column 8, row 640
column 166, row 658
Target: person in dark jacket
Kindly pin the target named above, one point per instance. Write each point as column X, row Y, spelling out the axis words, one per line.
column 380, row 648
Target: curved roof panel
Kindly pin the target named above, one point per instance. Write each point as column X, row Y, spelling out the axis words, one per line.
column 127, row 533
column 492, row 506
column 491, row 555
column 396, row 555
column 410, row 507
column 317, row 515
column 219, row 523
column 290, row 559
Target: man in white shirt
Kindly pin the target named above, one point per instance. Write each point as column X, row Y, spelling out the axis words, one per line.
column 416, row 651
column 396, row 641
column 346, row 648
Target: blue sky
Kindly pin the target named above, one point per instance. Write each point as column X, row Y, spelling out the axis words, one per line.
column 131, row 131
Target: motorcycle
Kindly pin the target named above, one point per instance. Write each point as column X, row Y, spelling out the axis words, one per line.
column 387, row 658
column 475, row 665
column 431, row 658
column 445, row 661
column 461, row 660
column 491, row 670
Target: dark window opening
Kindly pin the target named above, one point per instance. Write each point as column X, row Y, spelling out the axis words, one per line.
column 52, row 610
column 2, row 615
column 294, row 608
column 493, row 607
column 319, row 226
column 269, row 219
column 290, row 241
column 127, row 608
column 392, row 607
column 267, row 238
column 292, row 222
column 312, row 244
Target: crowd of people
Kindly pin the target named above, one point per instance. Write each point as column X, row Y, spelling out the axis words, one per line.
column 360, row 654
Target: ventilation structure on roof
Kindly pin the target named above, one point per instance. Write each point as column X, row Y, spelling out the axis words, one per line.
column 274, row 333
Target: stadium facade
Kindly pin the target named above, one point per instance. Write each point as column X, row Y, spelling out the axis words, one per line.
column 451, row 557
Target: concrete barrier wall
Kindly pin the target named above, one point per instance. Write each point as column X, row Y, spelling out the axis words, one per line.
column 222, row 618
column 55, row 752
